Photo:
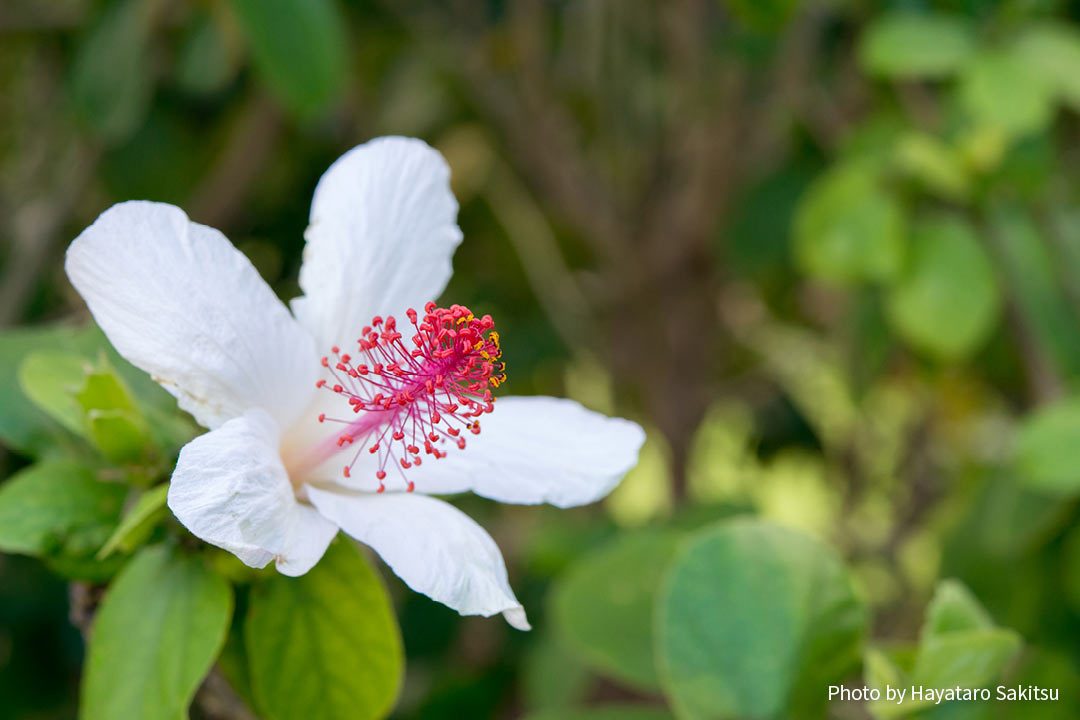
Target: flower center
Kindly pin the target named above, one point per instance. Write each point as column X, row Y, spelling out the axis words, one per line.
column 415, row 399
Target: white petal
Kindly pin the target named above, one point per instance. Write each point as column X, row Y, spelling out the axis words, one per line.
column 231, row 489
column 383, row 230
column 537, row 450
column 180, row 302
column 431, row 545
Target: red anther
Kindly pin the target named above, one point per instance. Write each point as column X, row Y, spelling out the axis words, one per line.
column 353, row 373
column 341, row 366
column 474, row 429
column 374, row 448
column 380, row 474
column 405, row 463
column 453, row 431
column 376, row 321
column 320, row 384
column 335, row 350
column 326, row 362
column 461, row 443
column 382, row 489
column 413, row 449
column 322, row 417
column 338, row 388
column 398, row 435
column 377, row 368
column 346, row 471
column 362, row 369
column 346, row 358
column 411, row 314
column 416, row 461
column 429, row 307
column 433, row 436
column 436, row 418
column 411, row 486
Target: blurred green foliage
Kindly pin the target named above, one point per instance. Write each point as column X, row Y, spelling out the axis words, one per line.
column 827, row 253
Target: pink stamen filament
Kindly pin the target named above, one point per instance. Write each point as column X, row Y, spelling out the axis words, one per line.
column 419, row 399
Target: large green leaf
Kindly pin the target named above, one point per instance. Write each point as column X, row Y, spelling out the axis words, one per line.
column 947, row 301
column 754, row 622
column 1047, row 452
column 112, row 81
column 158, row 631
column 1002, row 91
column 603, row 606
column 324, row 645
column 906, row 45
column 847, row 229
column 57, row 507
column 299, row 48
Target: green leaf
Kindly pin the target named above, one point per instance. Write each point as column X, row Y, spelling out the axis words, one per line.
column 24, row 427
column 959, row 646
column 299, row 48
column 57, row 506
column 953, row 609
column 765, row 16
column 324, row 645
column 160, row 627
column 934, row 164
column 754, row 621
column 969, row 658
column 1047, row 451
column 137, row 522
column 118, row 434
column 1031, row 272
column 112, row 81
column 1052, row 50
column 605, row 712
column 847, row 229
column 51, row 380
column 552, row 676
column 209, row 59
column 906, row 45
column 1000, row 90
column 603, row 606
column 947, row 301
column 104, row 390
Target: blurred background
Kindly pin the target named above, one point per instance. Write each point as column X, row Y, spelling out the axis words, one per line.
column 827, row 253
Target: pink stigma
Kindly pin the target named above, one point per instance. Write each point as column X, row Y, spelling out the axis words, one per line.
column 416, row 398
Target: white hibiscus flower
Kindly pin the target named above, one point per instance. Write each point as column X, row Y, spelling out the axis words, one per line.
column 361, row 435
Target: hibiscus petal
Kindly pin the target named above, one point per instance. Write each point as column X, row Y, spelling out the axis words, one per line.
column 537, row 450
column 231, row 489
column 179, row 301
column 431, row 545
column 383, row 231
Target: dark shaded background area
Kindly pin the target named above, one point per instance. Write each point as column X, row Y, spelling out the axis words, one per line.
column 723, row 219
